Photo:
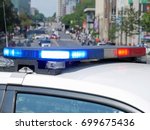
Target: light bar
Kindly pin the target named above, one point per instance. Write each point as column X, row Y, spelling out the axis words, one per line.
column 73, row 54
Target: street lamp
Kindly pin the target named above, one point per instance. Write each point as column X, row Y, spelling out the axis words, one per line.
column 4, row 13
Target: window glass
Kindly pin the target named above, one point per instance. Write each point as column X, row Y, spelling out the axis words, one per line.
column 41, row 103
column 1, row 96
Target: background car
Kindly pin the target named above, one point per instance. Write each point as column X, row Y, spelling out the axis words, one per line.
column 67, row 32
column 54, row 36
column 45, row 42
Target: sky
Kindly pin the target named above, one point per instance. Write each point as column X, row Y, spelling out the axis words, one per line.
column 47, row 7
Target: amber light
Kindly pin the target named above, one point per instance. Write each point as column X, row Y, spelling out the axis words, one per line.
column 123, row 52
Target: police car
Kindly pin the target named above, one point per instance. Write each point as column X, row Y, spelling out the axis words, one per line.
column 89, row 87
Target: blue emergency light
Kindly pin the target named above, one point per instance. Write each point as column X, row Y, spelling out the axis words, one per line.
column 47, row 54
column 8, row 52
column 54, row 54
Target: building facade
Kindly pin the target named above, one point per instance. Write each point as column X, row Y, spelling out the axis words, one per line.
column 140, row 6
column 108, row 13
column 33, row 10
column 65, row 7
column 103, row 13
column 61, row 9
column 71, row 5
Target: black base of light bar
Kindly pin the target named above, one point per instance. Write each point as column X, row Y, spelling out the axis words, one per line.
column 20, row 63
column 54, row 71
column 35, row 67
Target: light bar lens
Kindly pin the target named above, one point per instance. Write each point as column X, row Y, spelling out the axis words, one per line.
column 6, row 52
column 45, row 54
column 12, row 52
column 78, row 54
column 48, row 54
column 122, row 52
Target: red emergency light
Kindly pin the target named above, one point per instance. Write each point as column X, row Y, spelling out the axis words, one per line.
column 131, row 52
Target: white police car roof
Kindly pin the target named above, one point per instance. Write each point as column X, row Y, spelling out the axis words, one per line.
column 126, row 82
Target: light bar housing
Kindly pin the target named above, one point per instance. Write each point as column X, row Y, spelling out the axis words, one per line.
column 73, row 54
column 54, row 59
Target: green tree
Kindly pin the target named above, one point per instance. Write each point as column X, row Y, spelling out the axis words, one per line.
column 78, row 16
column 112, row 32
column 25, row 20
column 52, row 18
column 129, row 22
column 11, row 15
column 145, row 22
column 144, row 1
column 38, row 17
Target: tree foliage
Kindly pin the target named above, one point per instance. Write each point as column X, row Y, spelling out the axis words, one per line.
column 25, row 20
column 52, row 18
column 112, row 32
column 145, row 22
column 78, row 16
column 38, row 17
column 11, row 15
column 129, row 22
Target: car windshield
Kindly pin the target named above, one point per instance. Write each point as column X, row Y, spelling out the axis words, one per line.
column 67, row 23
